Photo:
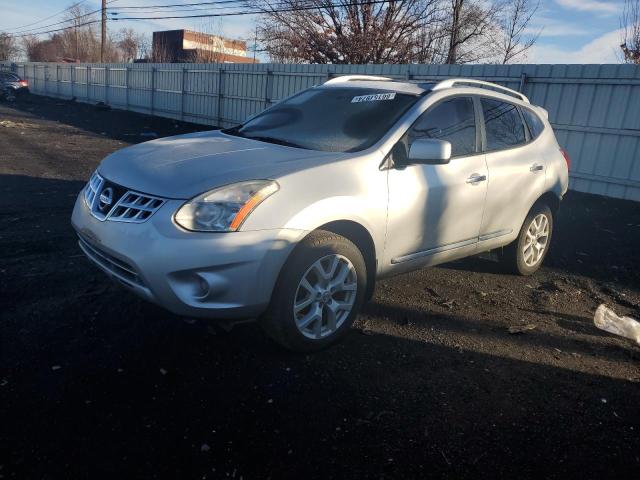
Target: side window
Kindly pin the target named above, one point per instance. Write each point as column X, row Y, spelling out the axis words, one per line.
column 533, row 122
column 503, row 124
column 452, row 120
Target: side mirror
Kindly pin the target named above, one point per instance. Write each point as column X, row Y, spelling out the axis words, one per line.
column 430, row 151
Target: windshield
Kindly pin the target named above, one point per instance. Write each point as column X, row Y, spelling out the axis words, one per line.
column 329, row 119
column 10, row 77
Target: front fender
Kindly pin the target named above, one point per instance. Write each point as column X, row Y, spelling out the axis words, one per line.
column 352, row 189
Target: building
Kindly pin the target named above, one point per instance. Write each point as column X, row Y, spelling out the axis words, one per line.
column 175, row 46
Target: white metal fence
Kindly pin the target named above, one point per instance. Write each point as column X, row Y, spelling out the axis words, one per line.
column 595, row 109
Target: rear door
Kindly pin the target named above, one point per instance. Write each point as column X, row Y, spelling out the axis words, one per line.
column 435, row 211
column 516, row 171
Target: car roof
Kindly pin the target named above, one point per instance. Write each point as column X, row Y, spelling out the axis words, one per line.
column 422, row 88
column 408, row 87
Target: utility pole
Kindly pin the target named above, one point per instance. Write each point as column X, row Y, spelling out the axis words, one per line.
column 255, row 45
column 104, row 30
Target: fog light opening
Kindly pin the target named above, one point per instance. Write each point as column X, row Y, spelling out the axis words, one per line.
column 203, row 287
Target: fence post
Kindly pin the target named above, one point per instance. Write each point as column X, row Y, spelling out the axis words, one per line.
column 88, row 73
column 183, row 92
column 106, row 84
column 46, row 79
column 57, row 80
column 523, row 80
column 73, row 80
column 126, row 86
column 220, row 95
column 268, row 89
column 153, row 86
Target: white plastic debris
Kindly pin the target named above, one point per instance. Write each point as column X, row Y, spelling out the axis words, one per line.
column 606, row 319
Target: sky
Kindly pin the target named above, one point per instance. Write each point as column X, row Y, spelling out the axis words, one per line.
column 572, row 31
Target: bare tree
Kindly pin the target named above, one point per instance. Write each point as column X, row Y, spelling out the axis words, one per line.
column 78, row 42
column 343, row 31
column 630, row 23
column 8, row 47
column 397, row 31
column 48, row 50
column 130, row 44
column 29, row 45
column 144, row 46
column 511, row 39
column 468, row 29
column 81, row 41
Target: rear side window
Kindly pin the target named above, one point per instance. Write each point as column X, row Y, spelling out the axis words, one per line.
column 533, row 122
column 452, row 120
column 503, row 125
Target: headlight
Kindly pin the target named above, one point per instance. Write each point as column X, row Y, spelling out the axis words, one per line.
column 224, row 209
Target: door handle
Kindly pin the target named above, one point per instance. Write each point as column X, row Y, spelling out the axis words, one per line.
column 536, row 167
column 476, row 178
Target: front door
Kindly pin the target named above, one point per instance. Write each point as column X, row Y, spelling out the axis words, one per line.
column 435, row 211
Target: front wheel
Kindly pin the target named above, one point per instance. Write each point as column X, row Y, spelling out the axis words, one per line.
column 318, row 294
column 10, row 95
column 525, row 255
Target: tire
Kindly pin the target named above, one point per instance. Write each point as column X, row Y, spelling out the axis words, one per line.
column 520, row 256
column 10, row 96
column 322, row 317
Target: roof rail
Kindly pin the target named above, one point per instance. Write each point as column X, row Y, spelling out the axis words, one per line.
column 351, row 78
column 452, row 82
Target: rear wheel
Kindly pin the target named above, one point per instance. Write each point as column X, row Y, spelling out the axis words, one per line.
column 318, row 294
column 525, row 255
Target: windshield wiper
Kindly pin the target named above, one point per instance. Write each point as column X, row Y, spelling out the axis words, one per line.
column 277, row 141
column 235, row 131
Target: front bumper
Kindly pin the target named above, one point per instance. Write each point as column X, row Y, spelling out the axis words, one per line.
column 18, row 90
column 208, row 275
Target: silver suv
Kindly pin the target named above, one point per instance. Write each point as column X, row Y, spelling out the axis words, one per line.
column 292, row 216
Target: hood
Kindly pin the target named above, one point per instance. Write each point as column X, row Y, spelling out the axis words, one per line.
column 186, row 165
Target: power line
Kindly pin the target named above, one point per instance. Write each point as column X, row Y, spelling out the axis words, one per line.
column 221, row 5
column 225, row 4
column 252, row 12
column 180, row 4
column 257, row 11
column 49, row 17
column 92, row 22
column 35, row 31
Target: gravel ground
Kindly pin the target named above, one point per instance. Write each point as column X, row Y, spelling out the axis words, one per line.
column 96, row 383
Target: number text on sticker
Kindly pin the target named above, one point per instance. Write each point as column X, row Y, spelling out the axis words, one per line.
column 376, row 97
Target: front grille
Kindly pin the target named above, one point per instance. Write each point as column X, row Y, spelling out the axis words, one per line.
column 117, row 267
column 109, row 201
column 92, row 189
column 134, row 207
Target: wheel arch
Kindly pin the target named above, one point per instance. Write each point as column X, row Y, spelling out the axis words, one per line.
column 362, row 239
column 551, row 199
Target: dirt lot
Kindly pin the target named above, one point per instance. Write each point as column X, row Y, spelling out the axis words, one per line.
column 95, row 383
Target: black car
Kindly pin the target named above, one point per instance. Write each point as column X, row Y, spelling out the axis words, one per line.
column 12, row 86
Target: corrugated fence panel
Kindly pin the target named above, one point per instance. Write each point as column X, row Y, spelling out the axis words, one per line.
column 595, row 109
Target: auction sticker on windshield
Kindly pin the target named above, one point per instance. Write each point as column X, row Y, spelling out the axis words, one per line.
column 376, row 97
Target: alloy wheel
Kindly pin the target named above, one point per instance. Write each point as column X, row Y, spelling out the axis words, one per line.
column 325, row 296
column 536, row 240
